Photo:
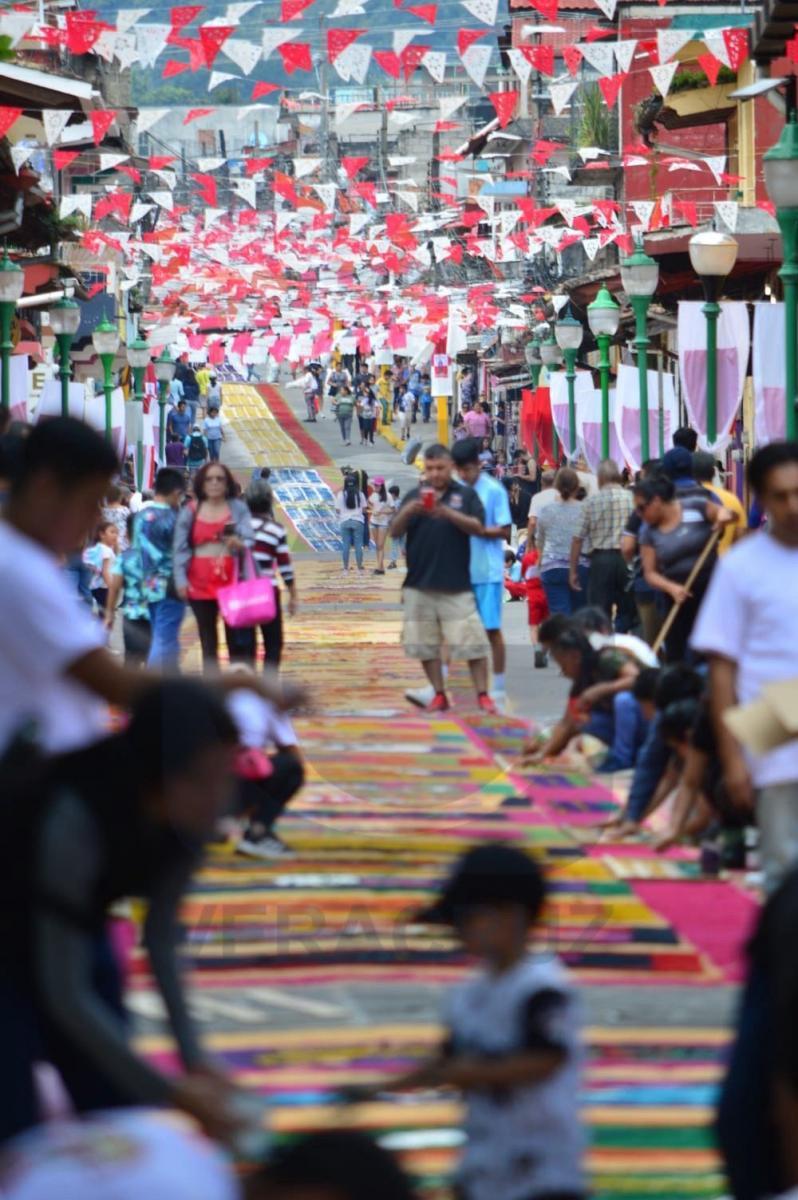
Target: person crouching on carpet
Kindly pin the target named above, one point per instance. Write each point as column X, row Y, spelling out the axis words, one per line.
column 514, row 1046
column 266, row 781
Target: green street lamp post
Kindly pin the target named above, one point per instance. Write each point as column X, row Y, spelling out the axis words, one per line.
column 105, row 339
column 533, row 360
column 64, row 322
column 551, row 354
column 138, row 356
column 569, row 332
column 639, row 276
column 164, row 373
column 603, row 317
column 781, row 180
column 12, row 283
column 712, row 256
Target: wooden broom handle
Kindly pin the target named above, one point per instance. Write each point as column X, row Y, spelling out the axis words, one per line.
column 691, row 578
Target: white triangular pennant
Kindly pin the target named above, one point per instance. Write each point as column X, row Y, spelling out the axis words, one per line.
column 643, row 210
column 234, row 12
column 410, row 198
column 483, row 10
column 127, row 17
column 520, row 64
column 15, row 25
column 247, row 190
column 663, row 76
column 717, row 165
column 326, row 193
column 400, row 119
column 487, row 204
column 212, row 215
column 358, row 221
column 358, row 57
column 306, row 166
column 210, row 164
column 272, row 38
column 126, row 50
column 138, row 211
column 245, row 55
column 105, row 46
column 163, row 200
column 282, row 220
column 670, row 42
column 449, row 105
column 435, row 62
column 607, row 7
column 561, row 93
column 727, row 211
column 624, row 53
column 600, row 57
column 79, row 203
column 402, row 39
column 109, row 162
column 147, row 117
column 20, row 155
column 591, row 247
column 476, row 60
column 507, row 223
column 218, row 77
column 167, row 177
column 716, row 44
column 344, row 111
column 54, row 120
column 150, row 40
column 348, row 8
column 569, row 209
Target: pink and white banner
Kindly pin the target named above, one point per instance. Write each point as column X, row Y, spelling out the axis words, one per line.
column 734, row 344
column 589, row 421
column 769, row 373
column 583, row 394
column 627, row 413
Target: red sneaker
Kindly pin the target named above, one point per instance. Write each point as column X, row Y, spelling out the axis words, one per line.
column 485, row 703
column 438, row 703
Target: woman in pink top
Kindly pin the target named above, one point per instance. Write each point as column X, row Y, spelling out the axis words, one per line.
column 477, row 422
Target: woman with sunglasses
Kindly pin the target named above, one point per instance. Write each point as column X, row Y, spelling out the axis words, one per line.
column 211, row 532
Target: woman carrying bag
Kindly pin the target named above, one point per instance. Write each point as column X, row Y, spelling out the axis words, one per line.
column 211, row 536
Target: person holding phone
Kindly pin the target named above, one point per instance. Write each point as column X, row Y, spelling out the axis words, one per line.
column 210, row 533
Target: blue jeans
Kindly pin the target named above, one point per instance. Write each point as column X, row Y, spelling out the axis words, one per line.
column 352, row 537
column 79, row 575
column 166, row 618
column 623, row 730
column 397, row 547
column 649, row 769
column 560, row 595
column 214, row 449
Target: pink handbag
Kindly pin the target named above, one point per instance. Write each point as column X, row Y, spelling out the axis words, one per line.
column 247, row 602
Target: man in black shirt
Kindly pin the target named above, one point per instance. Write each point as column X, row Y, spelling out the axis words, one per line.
column 440, row 518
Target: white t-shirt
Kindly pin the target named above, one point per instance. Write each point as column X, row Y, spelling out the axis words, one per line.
column 542, row 500
column 351, row 514
column 750, row 615
column 212, row 428
column 96, row 557
column 260, row 725
column 46, row 628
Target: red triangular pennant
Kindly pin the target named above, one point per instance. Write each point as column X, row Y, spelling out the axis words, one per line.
column 257, row 164
column 736, row 46
column 292, row 8
column 82, row 31
column 541, row 58
column 467, row 37
column 8, row 116
column 101, row 122
column 295, row 56
column 546, row 8
column 572, row 57
column 184, row 15
column 505, row 104
column 610, row 88
column 390, row 62
column 159, row 162
column 410, row 59
column 424, row 12
column 194, row 114
column 213, row 38
column 173, row 67
column 339, row 39
column 353, row 165
column 62, row 158
column 207, row 188
column 264, row 89
column 710, row 66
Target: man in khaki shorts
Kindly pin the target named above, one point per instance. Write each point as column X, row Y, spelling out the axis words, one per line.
column 439, row 518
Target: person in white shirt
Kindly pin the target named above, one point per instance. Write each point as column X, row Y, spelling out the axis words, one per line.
column 406, row 407
column 548, row 494
column 747, row 628
column 352, row 508
column 56, row 675
column 311, row 391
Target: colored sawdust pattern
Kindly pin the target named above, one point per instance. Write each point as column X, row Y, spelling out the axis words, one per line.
column 648, row 1097
column 283, row 414
column 263, row 434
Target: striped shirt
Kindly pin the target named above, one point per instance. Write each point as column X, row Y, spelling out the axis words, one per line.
column 271, row 549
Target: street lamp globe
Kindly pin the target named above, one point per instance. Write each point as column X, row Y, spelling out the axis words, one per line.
column 568, row 330
column 532, row 353
column 65, row 317
column 105, row 337
column 639, row 273
column 12, row 280
column 712, row 254
column 550, row 352
column 138, row 354
column 603, row 315
column 164, row 367
column 781, row 167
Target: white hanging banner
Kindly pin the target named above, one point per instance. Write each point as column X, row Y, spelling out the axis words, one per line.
column 109, row 162
column 662, row 76
column 245, row 55
column 449, row 105
column 126, row 18
column 717, row 165
column 147, row 117
column 326, row 193
column 716, row 44
column 218, row 77
column 600, row 57
column 624, row 53
column 520, row 64
column 54, row 120
column 402, row 39
column 670, row 42
column 607, row 7
column 78, row 203
column 727, row 211
column 306, row 166
column 561, row 93
column 476, row 60
column 588, row 420
column 558, row 392
column 768, row 370
column 272, row 38
column 20, row 155
column 150, row 41
column 163, row 199
column 138, row 211
column 483, row 10
column 734, row 343
column 435, row 62
column 247, row 190
column 626, row 414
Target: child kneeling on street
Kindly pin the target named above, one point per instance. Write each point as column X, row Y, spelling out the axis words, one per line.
column 513, row 1044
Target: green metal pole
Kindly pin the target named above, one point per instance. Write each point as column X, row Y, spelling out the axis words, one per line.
column 570, row 376
column 788, row 223
column 640, row 307
column 6, row 346
column 64, row 341
column 711, row 311
column 603, row 340
column 164, row 387
column 138, row 398
column 108, row 388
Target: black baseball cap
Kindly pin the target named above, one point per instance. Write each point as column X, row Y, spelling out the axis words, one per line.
column 489, row 874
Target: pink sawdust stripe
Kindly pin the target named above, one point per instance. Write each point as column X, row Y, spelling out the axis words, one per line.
column 715, row 917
